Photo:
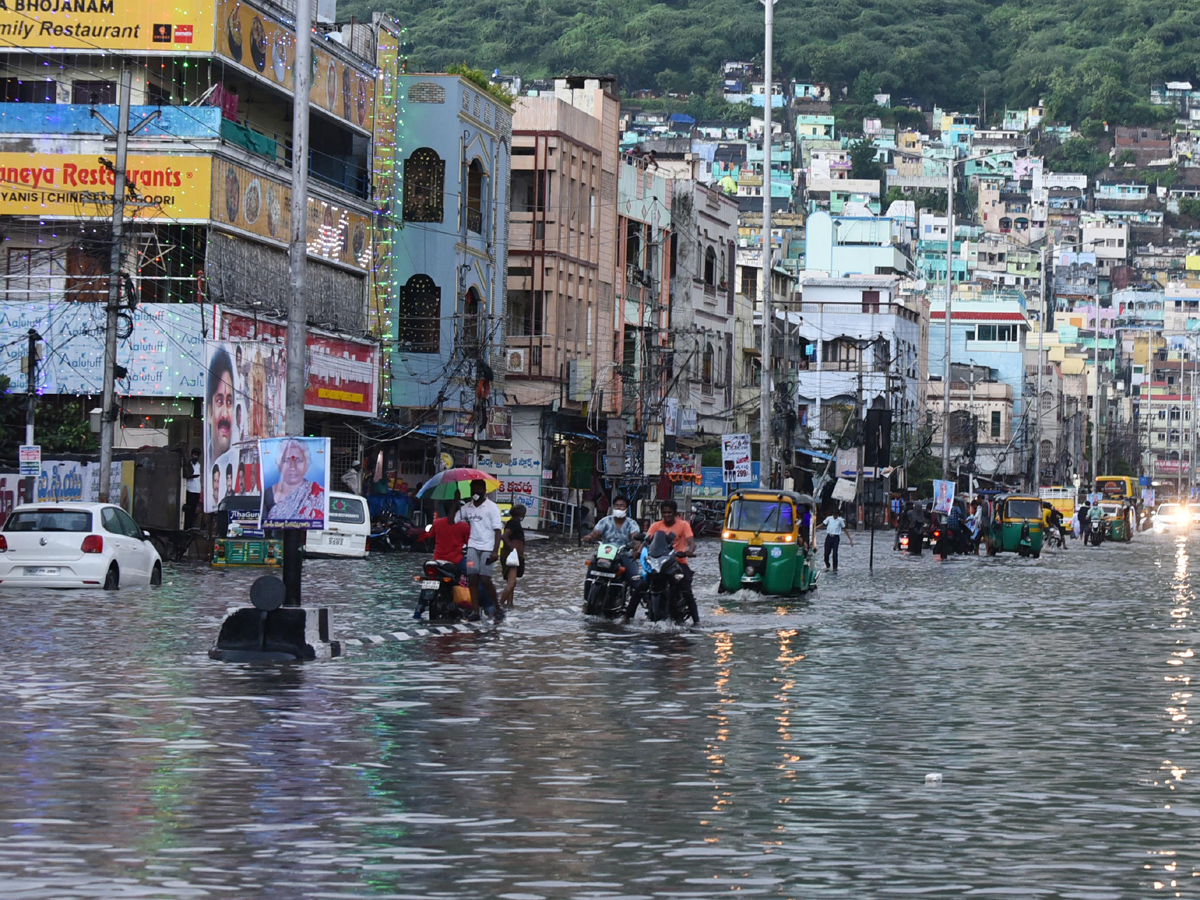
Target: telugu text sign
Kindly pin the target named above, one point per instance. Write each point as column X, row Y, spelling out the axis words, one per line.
column 80, row 186
column 168, row 26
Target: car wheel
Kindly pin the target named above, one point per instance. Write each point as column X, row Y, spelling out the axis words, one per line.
column 156, row 575
column 112, row 580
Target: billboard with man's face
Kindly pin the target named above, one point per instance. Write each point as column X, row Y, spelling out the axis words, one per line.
column 244, row 400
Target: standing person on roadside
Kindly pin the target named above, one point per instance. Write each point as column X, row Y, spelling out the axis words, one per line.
column 192, row 490
column 483, row 548
column 835, row 527
column 1085, row 522
column 514, row 543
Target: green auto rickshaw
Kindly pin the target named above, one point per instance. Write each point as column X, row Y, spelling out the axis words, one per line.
column 1018, row 526
column 766, row 543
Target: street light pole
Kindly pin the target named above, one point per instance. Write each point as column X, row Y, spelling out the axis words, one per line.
column 1096, row 394
column 764, row 411
column 1037, row 422
column 949, row 293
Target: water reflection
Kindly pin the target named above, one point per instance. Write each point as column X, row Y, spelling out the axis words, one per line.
column 780, row 751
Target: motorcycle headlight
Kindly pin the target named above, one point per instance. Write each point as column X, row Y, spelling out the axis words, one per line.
column 656, row 564
column 679, row 576
column 604, row 564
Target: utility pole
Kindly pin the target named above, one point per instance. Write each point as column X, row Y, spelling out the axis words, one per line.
column 768, row 322
column 949, row 294
column 108, row 412
column 1037, row 422
column 1179, row 471
column 1096, row 396
column 858, row 414
column 31, row 385
column 297, row 320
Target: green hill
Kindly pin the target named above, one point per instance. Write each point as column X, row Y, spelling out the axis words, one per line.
column 1087, row 58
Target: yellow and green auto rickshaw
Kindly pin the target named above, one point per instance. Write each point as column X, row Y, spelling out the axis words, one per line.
column 1018, row 526
column 1118, row 517
column 765, row 543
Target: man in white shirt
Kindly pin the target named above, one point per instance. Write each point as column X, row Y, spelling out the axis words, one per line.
column 483, row 548
column 192, row 489
column 835, row 527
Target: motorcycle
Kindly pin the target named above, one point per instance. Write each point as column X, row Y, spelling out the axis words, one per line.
column 664, row 588
column 606, row 586
column 912, row 541
column 443, row 594
column 399, row 533
column 947, row 540
column 1097, row 533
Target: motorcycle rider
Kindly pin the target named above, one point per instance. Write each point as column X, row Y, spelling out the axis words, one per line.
column 1095, row 518
column 449, row 536
column 685, row 543
column 620, row 529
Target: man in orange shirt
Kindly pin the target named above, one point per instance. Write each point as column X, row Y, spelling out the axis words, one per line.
column 685, row 543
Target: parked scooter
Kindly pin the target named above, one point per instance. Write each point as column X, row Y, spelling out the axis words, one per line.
column 394, row 532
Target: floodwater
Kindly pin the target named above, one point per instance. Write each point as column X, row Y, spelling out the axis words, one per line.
column 780, row 750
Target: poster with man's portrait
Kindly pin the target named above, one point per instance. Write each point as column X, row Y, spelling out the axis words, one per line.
column 243, row 402
column 295, row 472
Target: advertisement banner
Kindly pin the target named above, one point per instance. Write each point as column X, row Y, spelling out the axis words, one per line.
column 735, row 458
column 30, row 460
column 258, row 43
column 70, row 480
column 844, row 490
column 164, row 356
column 244, row 397
column 295, row 482
column 171, row 26
column 252, row 203
column 943, row 496
column 79, row 186
column 343, row 374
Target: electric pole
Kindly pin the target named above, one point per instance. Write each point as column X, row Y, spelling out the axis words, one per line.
column 108, row 411
column 297, row 320
column 949, row 295
column 768, row 323
column 31, row 385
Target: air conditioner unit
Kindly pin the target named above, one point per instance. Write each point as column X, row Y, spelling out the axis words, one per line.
column 515, row 361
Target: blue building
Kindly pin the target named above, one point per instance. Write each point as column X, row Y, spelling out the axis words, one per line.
column 450, row 248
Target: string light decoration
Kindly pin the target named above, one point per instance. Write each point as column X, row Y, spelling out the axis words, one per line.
column 389, row 125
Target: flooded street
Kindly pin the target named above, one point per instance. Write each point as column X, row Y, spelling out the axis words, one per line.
column 780, row 750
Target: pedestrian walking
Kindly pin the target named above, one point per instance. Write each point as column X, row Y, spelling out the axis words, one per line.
column 835, row 527
column 512, row 553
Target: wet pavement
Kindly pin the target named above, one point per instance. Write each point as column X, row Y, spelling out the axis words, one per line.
column 781, row 750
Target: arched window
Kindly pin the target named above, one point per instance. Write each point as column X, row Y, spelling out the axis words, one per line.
column 710, row 267
column 420, row 315
column 424, row 186
column 475, row 197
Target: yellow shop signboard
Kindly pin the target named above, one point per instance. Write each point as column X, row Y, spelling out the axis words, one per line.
column 80, row 186
column 170, row 26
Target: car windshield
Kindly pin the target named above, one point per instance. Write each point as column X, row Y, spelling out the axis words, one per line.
column 774, row 516
column 49, row 520
column 1168, row 509
column 1023, row 509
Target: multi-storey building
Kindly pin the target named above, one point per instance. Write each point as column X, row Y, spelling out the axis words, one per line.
column 703, row 305
column 449, row 257
column 208, row 206
column 562, row 268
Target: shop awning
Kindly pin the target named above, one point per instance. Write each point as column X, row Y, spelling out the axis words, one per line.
column 815, row 454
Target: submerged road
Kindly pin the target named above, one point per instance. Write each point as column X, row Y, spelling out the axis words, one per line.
column 780, row 750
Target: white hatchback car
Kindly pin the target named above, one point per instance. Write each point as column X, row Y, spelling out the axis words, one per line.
column 69, row 545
